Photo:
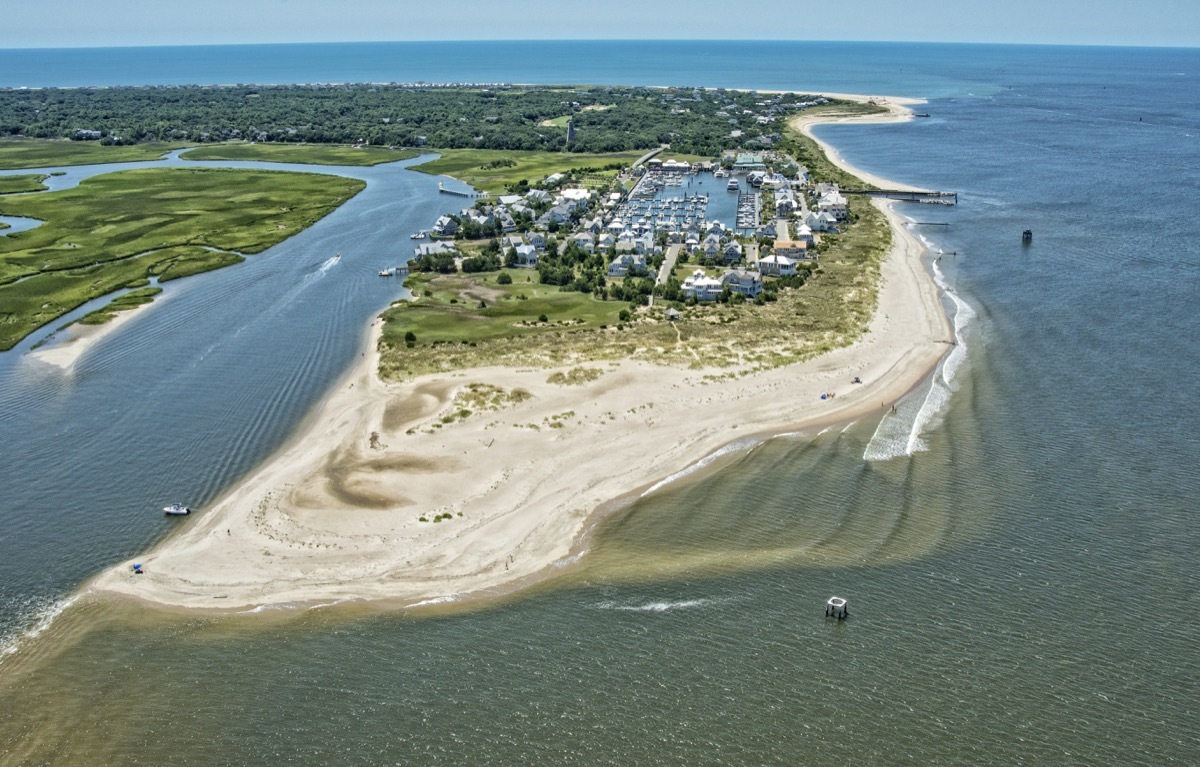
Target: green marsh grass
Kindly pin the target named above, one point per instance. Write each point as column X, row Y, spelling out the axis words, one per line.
column 115, row 230
column 24, row 183
column 45, row 153
column 304, row 154
column 468, row 165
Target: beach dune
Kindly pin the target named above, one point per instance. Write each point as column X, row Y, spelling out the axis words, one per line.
column 389, row 494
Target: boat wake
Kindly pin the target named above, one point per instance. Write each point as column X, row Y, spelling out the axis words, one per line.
column 900, row 433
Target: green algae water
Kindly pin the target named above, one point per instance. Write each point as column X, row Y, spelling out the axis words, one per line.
column 1018, row 542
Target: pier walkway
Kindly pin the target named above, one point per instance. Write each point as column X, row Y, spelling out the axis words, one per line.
column 939, row 198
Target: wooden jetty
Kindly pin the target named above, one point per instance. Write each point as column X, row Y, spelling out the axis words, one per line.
column 459, row 192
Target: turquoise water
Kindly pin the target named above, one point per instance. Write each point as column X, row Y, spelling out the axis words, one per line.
column 1021, row 569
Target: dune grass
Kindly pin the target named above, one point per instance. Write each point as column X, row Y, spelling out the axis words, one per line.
column 115, row 230
column 46, row 153
column 470, row 165
column 31, row 182
column 305, row 154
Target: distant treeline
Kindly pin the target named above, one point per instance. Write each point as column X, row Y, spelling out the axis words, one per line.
column 607, row 119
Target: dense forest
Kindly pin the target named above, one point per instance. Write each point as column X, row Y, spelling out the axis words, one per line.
column 606, row 119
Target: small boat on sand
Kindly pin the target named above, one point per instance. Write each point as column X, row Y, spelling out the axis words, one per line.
column 176, row 510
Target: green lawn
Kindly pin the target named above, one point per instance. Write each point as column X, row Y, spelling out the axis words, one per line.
column 454, row 331
column 115, row 230
column 309, row 154
column 39, row 153
column 467, row 165
column 25, row 183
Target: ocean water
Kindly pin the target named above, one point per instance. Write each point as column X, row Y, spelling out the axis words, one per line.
column 1018, row 542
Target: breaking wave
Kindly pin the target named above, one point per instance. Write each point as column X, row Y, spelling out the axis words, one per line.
column 900, row 433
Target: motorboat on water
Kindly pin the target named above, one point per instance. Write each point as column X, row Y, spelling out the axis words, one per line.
column 732, row 185
column 417, row 236
column 387, row 272
column 176, row 510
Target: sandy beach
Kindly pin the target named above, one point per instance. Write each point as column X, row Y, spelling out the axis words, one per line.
column 508, row 491
column 65, row 352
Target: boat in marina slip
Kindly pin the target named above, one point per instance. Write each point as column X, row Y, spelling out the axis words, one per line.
column 176, row 510
column 732, row 185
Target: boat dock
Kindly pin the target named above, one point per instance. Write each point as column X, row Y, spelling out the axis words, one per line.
column 460, row 193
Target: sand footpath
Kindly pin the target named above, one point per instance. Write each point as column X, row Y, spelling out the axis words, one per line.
column 336, row 514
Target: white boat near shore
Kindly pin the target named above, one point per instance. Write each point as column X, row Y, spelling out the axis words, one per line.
column 176, row 510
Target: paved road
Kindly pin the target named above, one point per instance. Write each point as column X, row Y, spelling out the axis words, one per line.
column 781, row 229
column 668, row 266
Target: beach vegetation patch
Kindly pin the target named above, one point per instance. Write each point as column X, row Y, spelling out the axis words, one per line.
column 575, row 377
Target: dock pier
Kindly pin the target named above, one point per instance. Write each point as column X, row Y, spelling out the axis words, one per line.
column 460, row 193
column 930, row 198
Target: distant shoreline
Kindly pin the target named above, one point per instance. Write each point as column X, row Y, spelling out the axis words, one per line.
column 335, row 515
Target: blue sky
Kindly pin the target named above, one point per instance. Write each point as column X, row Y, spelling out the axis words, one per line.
column 73, row 23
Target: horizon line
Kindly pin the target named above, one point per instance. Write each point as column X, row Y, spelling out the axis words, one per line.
column 1163, row 46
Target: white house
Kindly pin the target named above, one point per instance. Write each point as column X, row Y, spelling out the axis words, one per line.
column 575, row 197
column 834, row 204
column 820, row 222
column 804, row 233
column 537, row 195
column 780, row 266
column 527, row 256
column 702, row 287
